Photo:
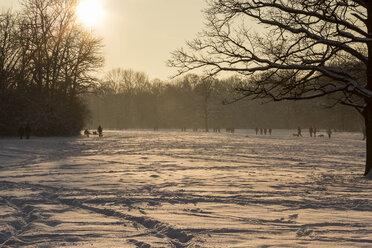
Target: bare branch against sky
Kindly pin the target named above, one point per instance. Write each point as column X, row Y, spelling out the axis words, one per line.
column 140, row 34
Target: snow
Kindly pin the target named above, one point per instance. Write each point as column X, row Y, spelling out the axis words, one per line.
column 139, row 188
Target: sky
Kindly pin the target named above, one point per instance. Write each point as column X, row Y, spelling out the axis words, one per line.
column 141, row 34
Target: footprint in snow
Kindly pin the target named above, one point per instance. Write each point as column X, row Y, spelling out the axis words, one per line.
column 293, row 216
column 304, row 231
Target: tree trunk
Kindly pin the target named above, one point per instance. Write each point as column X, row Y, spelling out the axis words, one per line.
column 206, row 115
column 368, row 125
column 206, row 121
column 367, row 112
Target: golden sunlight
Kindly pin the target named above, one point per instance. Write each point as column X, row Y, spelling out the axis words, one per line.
column 90, row 12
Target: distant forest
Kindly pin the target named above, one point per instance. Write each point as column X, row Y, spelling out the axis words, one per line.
column 128, row 99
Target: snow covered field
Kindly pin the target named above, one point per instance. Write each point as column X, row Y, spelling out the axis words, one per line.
column 185, row 189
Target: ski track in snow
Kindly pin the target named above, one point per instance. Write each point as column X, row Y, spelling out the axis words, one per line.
column 139, row 188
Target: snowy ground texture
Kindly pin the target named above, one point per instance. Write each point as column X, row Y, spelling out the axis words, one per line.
column 185, row 189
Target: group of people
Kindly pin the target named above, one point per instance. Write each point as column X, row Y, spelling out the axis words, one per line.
column 24, row 131
column 98, row 132
column 313, row 132
column 263, row 131
column 215, row 129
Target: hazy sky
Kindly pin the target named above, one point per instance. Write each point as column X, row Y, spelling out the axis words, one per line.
column 140, row 34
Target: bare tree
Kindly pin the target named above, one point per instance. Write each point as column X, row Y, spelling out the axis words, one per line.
column 204, row 87
column 9, row 51
column 62, row 55
column 46, row 61
column 306, row 49
column 127, row 85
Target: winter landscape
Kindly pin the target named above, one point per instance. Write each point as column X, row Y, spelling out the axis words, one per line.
column 141, row 188
column 185, row 92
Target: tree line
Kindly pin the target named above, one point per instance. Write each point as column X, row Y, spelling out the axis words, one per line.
column 129, row 99
column 47, row 61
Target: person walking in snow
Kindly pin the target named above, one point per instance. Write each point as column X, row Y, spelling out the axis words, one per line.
column 311, row 131
column 299, row 132
column 86, row 132
column 21, row 132
column 99, row 129
column 329, row 132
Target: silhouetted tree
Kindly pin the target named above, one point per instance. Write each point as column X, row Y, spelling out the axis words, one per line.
column 305, row 51
column 47, row 61
column 204, row 87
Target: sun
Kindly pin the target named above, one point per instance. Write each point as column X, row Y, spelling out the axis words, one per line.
column 90, row 12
